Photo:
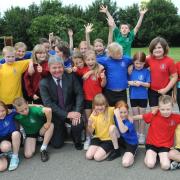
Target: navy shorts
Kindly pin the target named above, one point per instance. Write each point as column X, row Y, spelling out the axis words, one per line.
column 157, row 149
column 6, row 138
column 139, row 103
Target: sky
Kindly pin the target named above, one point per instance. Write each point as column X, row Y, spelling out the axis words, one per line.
column 84, row 3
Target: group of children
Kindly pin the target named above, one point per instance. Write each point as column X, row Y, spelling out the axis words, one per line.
column 105, row 76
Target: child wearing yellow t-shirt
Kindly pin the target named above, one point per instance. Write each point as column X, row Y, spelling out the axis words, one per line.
column 98, row 124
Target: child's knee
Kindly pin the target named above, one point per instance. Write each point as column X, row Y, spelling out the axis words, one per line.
column 150, row 164
column 5, row 146
column 16, row 135
column 165, row 166
column 171, row 154
column 3, row 164
column 98, row 157
column 28, row 155
column 126, row 163
column 89, row 156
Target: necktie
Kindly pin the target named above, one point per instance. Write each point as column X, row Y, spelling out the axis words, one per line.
column 60, row 94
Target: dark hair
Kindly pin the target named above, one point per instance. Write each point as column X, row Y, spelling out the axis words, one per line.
column 120, row 104
column 163, row 43
column 141, row 56
column 77, row 54
column 43, row 40
column 63, row 47
column 4, row 106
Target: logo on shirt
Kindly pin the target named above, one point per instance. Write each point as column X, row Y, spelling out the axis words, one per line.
column 141, row 77
column 6, row 124
column 123, row 64
column 163, row 66
column 172, row 123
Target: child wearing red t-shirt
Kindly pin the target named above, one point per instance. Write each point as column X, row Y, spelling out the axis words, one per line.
column 163, row 71
column 177, row 90
column 160, row 136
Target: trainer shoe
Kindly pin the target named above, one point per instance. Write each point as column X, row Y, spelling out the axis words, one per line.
column 174, row 165
column 44, row 156
column 115, row 153
column 141, row 139
column 87, row 143
column 13, row 163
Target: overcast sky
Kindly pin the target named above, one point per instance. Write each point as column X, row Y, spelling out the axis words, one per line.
column 6, row 4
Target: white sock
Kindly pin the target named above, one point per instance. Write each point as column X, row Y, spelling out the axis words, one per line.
column 15, row 156
column 43, row 147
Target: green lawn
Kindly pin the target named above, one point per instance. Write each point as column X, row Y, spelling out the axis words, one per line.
column 173, row 53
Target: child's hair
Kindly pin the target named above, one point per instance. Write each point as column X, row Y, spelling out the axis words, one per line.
column 18, row 102
column 165, row 99
column 43, row 40
column 55, row 40
column 129, row 26
column 38, row 49
column 77, row 54
column 100, row 100
column 141, row 56
column 82, row 43
column 2, row 104
column 98, row 40
column 64, row 48
column 163, row 43
column 120, row 104
column 8, row 49
column 114, row 48
column 20, row 45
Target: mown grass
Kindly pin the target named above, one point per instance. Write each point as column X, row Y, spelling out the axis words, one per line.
column 174, row 52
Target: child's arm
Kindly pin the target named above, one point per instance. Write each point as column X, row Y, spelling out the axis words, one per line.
column 88, row 30
column 48, row 114
column 123, row 128
column 70, row 34
column 90, row 126
column 170, row 85
column 31, row 69
column 103, row 78
column 137, row 117
column 51, row 35
column 112, row 25
column 138, row 25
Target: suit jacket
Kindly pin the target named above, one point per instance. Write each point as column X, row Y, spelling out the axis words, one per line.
column 72, row 92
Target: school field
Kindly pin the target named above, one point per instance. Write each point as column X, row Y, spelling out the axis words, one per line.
column 174, row 52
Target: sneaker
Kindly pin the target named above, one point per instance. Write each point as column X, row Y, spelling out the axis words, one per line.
column 87, row 143
column 174, row 165
column 114, row 154
column 78, row 146
column 141, row 139
column 13, row 163
column 44, row 156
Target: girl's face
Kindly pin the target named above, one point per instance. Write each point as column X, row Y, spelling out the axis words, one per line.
column 83, row 48
column 90, row 61
column 20, row 53
column 138, row 64
column 59, row 53
column 123, row 112
column 99, row 48
column 99, row 108
column 41, row 56
column 2, row 112
column 158, row 51
column 79, row 63
column 124, row 29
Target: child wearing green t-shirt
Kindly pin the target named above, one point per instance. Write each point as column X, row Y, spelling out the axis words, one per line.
column 35, row 120
column 123, row 35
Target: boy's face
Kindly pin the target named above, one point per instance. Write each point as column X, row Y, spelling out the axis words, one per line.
column 24, row 109
column 124, row 29
column 98, row 47
column 165, row 109
column 79, row 62
column 115, row 55
column 20, row 53
column 9, row 57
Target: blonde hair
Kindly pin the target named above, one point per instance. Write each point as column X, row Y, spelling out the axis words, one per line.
column 20, row 45
column 114, row 48
column 100, row 100
column 99, row 40
column 165, row 99
column 38, row 48
column 8, row 49
column 18, row 102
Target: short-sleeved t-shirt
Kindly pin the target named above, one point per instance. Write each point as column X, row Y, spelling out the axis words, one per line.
column 32, row 122
column 7, row 125
column 140, row 92
column 125, row 42
column 101, row 124
column 162, row 129
column 161, row 70
column 130, row 136
column 177, row 143
column 116, row 71
column 178, row 70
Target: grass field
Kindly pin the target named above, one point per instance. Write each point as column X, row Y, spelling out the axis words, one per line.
column 173, row 53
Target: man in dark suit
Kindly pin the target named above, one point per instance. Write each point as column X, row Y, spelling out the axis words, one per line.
column 63, row 93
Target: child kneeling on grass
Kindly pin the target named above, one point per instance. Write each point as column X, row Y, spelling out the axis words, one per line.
column 36, row 121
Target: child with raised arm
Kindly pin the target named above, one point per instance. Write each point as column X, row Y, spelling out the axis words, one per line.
column 160, row 136
column 40, row 65
column 10, row 139
column 36, row 121
column 139, row 81
column 162, row 69
column 123, row 35
column 98, row 124
column 123, row 134
column 11, row 73
column 116, row 69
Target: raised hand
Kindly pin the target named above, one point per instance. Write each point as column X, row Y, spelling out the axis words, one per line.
column 70, row 32
column 143, row 11
column 103, row 9
column 111, row 22
column 88, row 28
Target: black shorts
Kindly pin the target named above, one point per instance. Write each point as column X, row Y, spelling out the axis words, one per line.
column 6, row 138
column 178, row 97
column 128, row 147
column 87, row 104
column 154, row 97
column 139, row 103
column 114, row 96
column 106, row 145
column 157, row 149
column 32, row 135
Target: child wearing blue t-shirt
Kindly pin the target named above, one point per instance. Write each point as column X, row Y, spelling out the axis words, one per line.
column 116, row 69
column 123, row 134
column 9, row 137
column 139, row 81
